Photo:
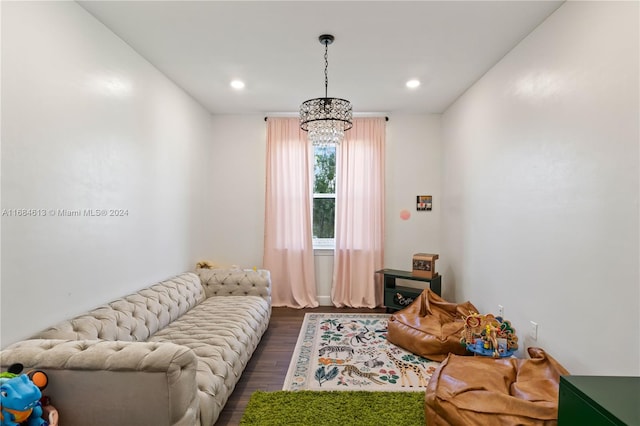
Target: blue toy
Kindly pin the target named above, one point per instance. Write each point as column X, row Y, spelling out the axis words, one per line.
column 489, row 335
column 20, row 401
column 479, row 348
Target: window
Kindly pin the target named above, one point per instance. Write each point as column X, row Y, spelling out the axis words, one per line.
column 324, row 196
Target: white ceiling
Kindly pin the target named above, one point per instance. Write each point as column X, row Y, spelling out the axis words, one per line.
column 273, row 47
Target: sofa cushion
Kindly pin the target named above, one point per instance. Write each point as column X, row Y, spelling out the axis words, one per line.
column 236, row 282
column 88, row 378
column 223, row 332
column 134, row 317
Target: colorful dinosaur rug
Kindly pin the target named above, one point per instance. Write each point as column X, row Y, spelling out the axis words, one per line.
column 350, row 352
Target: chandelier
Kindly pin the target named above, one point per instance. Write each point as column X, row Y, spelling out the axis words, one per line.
column 326, row 119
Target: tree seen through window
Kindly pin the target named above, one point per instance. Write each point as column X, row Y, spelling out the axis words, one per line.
column 324, row 189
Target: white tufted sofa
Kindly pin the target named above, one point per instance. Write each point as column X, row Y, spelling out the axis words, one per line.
column 170, row 354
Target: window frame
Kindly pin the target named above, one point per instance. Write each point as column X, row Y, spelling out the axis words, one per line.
column 323, row 243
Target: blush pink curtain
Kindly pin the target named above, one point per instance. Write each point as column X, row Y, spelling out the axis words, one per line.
column 288, row 246
column 360, row 215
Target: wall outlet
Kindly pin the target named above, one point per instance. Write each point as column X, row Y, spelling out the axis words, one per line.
column 501, row 311
column 533, row 330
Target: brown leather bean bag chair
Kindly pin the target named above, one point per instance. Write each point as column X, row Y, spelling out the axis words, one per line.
column 480, row 390
column 430, row 326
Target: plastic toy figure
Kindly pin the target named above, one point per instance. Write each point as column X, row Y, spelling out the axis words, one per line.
column 20, row 402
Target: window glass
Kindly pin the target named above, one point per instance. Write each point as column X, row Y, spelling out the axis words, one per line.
column 324, row 197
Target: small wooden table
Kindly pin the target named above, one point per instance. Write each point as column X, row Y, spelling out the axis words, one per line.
column 391, row 289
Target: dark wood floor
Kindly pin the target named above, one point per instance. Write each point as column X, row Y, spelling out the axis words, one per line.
column 269, row 364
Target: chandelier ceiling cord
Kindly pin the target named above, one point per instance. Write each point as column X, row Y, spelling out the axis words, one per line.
column 326, row 119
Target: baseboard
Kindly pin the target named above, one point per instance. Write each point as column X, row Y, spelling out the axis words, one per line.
column 325, row 301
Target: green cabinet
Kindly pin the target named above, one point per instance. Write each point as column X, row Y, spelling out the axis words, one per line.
column 599, row 400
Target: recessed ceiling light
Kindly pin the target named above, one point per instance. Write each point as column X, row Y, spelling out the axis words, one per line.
column 237, row 84
column 412, row 84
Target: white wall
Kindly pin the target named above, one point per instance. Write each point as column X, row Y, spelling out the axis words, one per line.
column 238, row 167
column 413, row 167
column 89, row 124
column 239, row 152
column 541, row 188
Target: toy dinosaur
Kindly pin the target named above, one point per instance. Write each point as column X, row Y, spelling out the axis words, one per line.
column 20, row 402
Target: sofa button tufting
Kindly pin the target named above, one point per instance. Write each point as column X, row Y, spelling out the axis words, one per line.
column 166, row 302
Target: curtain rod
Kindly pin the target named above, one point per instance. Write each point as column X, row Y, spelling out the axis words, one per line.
column 385, row 118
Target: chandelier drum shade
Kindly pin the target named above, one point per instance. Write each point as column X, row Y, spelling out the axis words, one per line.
column 326, row 119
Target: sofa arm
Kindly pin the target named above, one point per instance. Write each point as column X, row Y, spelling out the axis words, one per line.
column 236, row 282
column 97, row 382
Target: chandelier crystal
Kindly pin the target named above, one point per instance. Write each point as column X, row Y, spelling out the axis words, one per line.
column 326, row 119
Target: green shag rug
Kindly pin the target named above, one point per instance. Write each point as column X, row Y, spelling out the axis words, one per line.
column 339, row 408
